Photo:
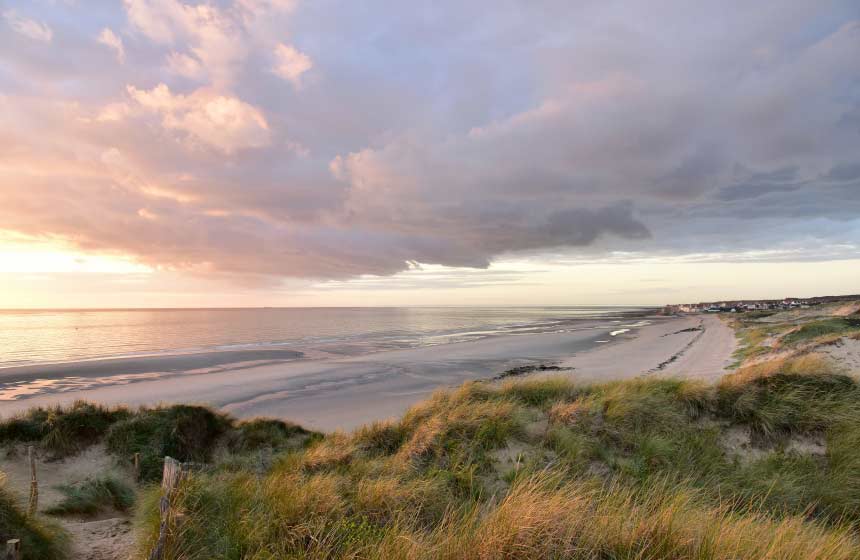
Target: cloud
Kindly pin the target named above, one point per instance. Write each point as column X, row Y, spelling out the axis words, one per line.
column 113, row 112
column 28, row 27
column 185, row 65
column 290, row 63
column 466, row 134
column 160, row 20
column 113, row 42
column 212, row 36
column 844, row 172
column 222, row 122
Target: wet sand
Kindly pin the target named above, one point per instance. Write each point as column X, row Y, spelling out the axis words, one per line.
column 173, row 363
column 343, row 392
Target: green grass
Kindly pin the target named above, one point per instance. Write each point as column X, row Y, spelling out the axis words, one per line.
column 258, row 433
column 62, row 431
column 753, row 333
column 184, row 432
column 94, row 495
column 38, row 539
column 823, row 327
column 632, row 469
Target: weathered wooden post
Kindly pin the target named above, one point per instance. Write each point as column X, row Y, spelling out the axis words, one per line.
column 264, row 461
column 13, row 549
column 170, row 478
column 34, row 483
column 136, row 466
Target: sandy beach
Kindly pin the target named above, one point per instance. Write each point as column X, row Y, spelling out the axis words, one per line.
column 343, row 392
column 697, row 346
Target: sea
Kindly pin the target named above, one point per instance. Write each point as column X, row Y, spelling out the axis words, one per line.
column 32, row 337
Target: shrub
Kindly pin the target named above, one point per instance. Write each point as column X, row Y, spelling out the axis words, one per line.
column 63, row 430
column 94, row 495
column 258, row 433
column 186, row 433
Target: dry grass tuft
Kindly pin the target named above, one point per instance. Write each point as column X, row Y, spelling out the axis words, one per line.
column 335, row 450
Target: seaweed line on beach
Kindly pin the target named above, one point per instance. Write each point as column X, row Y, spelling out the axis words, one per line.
column 680, row 352
column 523, row 370
column 691, row 329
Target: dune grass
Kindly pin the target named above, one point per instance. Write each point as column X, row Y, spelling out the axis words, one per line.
column 540, row 467
column 186, row 432
column 62, row 431
column 823, row 327
column 753, row 337
column 760, row 337
column 94, row 495
column 547, row 468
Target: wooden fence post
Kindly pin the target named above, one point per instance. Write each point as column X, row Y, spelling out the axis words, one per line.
column 170, row 478
column 13, row 549
column 34, row 483
column 264, row 461
column 136, row 465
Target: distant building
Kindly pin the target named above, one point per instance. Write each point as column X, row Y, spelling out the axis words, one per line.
column 754, row 305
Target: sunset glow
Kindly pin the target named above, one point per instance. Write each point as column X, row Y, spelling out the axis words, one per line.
column 268, row 152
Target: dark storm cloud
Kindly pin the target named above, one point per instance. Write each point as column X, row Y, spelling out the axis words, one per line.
column 843, row 172
column 288, row 138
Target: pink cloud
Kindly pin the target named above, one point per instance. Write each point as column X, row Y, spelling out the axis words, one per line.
column 109, row 39
column 220, row 121
column 212, row 36
column 28, row 27
column 290, row 63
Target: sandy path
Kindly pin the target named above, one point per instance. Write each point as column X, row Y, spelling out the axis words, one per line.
column 342, row 393
column 845, row 353
column 109, row 537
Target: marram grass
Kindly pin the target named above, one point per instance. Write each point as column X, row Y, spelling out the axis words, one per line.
column 548, row 468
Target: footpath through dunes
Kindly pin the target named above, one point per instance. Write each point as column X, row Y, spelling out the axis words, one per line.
column 105, row 534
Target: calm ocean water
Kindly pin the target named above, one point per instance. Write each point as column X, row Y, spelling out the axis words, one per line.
column 44, row 336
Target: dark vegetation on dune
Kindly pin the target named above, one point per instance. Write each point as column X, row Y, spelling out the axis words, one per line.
column 187, row 433
column 62, row 431
column 94, row 495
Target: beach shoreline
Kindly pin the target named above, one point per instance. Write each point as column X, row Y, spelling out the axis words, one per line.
column 331, row 393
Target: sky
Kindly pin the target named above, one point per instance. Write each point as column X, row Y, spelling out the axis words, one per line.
column 179, row 153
